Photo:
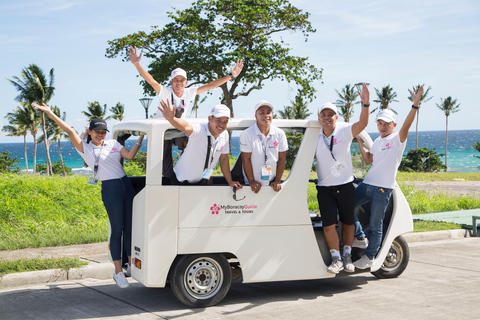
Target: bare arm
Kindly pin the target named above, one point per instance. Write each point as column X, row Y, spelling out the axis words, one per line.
column 282, row 160
column 215, row 83
column 135, row 59
column 403, row 134
column 130, row 154
column 247, row 167
column 225, row 167
column 366, row 155
column 363, row 121
column 74, row 138
column 168, row 112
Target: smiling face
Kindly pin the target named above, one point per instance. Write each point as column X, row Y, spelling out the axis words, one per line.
column 385, row 128
column 178, row 84
column 98, row 136
column 264, row 116
column 328, row 119
column 217, row 125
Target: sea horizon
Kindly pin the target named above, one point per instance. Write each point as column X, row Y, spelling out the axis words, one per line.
column 461, row 156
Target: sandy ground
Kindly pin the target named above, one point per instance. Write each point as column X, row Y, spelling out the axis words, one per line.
column 465, row 188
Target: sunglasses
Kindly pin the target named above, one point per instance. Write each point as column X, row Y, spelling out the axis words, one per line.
column 235, row 195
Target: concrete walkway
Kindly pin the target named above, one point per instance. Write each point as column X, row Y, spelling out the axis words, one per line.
column 463, row 217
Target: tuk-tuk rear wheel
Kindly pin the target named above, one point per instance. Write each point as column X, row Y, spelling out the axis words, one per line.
column 396, row 261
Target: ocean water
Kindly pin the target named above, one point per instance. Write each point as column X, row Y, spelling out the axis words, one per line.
column 460, row 153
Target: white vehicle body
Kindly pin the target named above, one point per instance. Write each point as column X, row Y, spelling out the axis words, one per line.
column 269, row 233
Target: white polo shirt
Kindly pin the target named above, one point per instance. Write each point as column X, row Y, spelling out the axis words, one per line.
column 387, row 155
column 333, row 172
column 179, row 102
column 254, row 142
column 191, row 164
column 109, row 166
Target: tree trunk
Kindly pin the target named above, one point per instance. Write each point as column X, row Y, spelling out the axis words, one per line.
column 416, row 130
column 45, row 141
column 446, row 142
column 34, row 154
column 25, row 150
column 61, row 158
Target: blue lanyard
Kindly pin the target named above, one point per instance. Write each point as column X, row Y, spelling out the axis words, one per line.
column 97, row 159
column 330, row 146
column 265, row 146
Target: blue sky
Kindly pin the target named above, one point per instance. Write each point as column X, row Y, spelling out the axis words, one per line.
column 401, row 43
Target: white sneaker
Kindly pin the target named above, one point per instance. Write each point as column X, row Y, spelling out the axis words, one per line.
column 120, row 280
column 361, row 244
column 129, row 270
column 336, row 266
column 363, row 263
column 347, row 263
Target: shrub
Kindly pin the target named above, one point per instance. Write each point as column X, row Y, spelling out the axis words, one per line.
column 412, row 161
column 7, row 163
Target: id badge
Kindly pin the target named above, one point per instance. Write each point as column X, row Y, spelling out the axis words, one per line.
column 266, row 173
column 207, row 173
column 93, row 181
column 337, row 168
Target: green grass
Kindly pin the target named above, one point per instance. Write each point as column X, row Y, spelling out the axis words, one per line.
column 38, row 211
column 24, row 265
column 423, row 226
column 437, row 176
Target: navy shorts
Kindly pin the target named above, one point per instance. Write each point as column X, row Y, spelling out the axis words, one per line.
column 335, row 200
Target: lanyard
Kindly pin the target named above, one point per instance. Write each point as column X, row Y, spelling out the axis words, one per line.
column 265, row 146
column 178, row 111
column 330, row 146
column 97, row 159
column 210, row 150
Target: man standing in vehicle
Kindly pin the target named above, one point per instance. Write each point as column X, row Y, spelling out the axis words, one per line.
column 208, row 144
column 335, row 190
column 264, row 150
column 385, row 156
column 178, row 95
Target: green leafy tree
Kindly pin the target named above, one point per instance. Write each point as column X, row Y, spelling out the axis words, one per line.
column 7, row 163
column 57, row 167
column 55, row 133
column 448, row 106
column 212, row 34
column 476, row 147
column 25, row 118
column 423, row 98
column 297, row 110
column 117, row 111
column 422, row 159
column 346, row 100
column 385, row 97
column 34, row 87
column 95, row 110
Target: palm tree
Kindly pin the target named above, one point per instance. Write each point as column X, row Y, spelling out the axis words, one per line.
column 195, row 104
column 385, row 97
column 118, row 110
column 297, row 110
column 346, row 101
column 94, row 110
column 17, row 128
column 448, row 106
column 33, row 87
column 423, row 98
column 55, row 133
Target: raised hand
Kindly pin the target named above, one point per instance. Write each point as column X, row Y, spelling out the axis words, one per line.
column 365, row 94
column 167, row 109
column 132, row 54
column 42, row 107
column 416, row 96
column 238, row 68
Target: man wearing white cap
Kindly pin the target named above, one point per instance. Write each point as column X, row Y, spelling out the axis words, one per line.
column 178, row 95
column 264, row 150
column 385, row 156
column 208, row 144
column 335, row 190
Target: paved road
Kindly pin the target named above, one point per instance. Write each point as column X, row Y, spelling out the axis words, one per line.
column 442, row 281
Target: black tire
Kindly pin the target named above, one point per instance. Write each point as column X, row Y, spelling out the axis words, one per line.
column 201, row 280
column 396, row 261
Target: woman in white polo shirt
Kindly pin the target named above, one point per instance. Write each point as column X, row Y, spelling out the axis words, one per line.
column 264, row 150
column 103, row 156
column 335, row 190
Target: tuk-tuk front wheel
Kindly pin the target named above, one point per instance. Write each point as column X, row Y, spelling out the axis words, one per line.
column 201, row 280
column 396, row 261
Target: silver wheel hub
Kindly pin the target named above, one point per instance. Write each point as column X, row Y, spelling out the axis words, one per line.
column 203, row 278
column 394, row 257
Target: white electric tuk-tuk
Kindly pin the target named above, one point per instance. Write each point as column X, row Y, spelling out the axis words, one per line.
column 201, row 238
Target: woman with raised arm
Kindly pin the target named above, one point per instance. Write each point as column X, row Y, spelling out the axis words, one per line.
column 103, row 157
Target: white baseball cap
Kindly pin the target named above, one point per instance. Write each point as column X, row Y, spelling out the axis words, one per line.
column 386, row 115
column 263, row 103
column 330, row 106
column 220, row 110
column 178, row 72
